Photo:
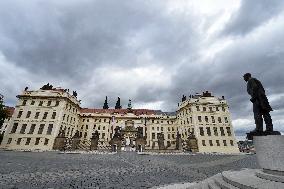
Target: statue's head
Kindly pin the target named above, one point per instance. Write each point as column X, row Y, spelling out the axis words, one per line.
column 247, row 76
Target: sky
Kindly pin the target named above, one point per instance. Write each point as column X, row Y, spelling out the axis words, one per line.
column 151, row 52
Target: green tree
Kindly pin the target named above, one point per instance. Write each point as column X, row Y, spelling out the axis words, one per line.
column 3, row 114
column 3, row 111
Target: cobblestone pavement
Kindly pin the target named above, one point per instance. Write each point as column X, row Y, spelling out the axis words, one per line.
column 122, row 170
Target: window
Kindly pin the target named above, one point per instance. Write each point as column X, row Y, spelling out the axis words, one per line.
column 56, row 103
column 208, row 131
column 44, row 115
column 222, row 131
column 49, row 103
column 36, row 115
column 20, row 114
column 226, row 119
column 229, row 131
column 219, row 120
column 32, row 102
column 46, row 141
column 28, row 114
column 215, row 131
column 199, row 118
column 201, row 131
column 99, row 127
column 225, row 142
column 37, row 141
column 169, row 136
column 218, row 142
column 217, row 109
column 24, row 102
column 53, row 115
column 197, row 108
column 203, row 143
column 40, row 130
column 87, row 127
column 9, row 141
column 103, row 135
column 169, row 129
column 210, row 109
column 173, row 136
column 32, row 129
column 232, row 142
column 153, row 135
column 206, row 119
column 210, row 143
column 162, row 129
column 87, row 120
column 104, row 127
column 40, row 103
column 49, row 129
column 28, row 141
column 213, row 119
column 19, row 141
column 104, row 120
column 14, row 128
column 158, row 128
column 204, row 109
column 23, row 129
column 190, row 119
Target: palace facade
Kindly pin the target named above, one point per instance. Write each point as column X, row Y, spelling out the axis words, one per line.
column 201, row 123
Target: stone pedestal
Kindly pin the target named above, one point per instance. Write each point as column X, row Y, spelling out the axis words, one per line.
column 94, row 143
column 59, row 143
column 270, row 152
column 191, row 144
column 75, row 143
column 140, row 144
column 115, row 144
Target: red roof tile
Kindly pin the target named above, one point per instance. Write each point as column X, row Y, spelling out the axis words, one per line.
column 10, row 110
column 119, row 111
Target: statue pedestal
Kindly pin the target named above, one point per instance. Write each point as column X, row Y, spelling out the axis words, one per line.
column 270, row 156
column 270, row 152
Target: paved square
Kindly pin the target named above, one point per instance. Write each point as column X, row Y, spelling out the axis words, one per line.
column 122, row 170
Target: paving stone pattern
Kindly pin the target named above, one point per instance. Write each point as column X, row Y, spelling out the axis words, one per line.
column 21, row 170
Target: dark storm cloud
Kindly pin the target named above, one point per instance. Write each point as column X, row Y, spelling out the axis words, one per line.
column 252, row 14
column 95, row 47
column 64, row 39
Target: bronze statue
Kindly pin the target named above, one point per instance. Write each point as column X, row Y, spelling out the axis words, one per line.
column 47, row 87
column 75, row 93
column 261, row 107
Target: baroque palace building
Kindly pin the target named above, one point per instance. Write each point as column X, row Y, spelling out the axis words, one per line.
column 201, row 123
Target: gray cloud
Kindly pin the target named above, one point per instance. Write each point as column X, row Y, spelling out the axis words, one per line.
column 141, row 51
column 252, row 14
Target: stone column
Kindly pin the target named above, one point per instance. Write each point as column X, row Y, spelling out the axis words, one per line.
column 270, row 152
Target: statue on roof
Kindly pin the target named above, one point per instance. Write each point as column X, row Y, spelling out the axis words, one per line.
column 75, row 93
column 105, row 104
column 183, row 98
column 117, row 105
column 129, row 106
column 47, row 87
